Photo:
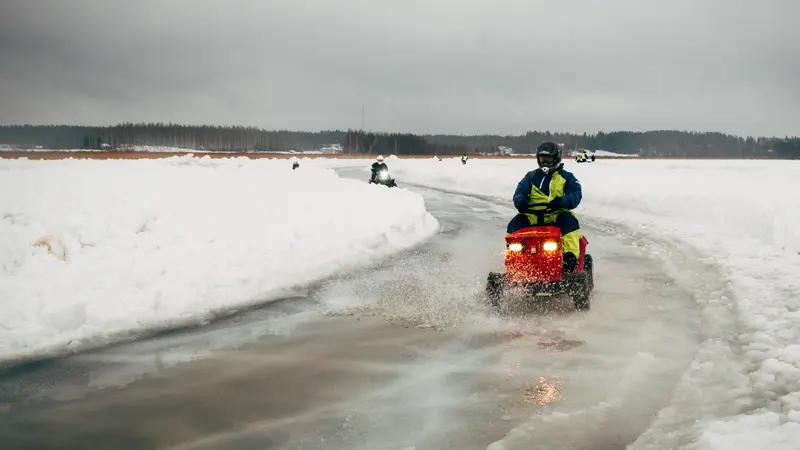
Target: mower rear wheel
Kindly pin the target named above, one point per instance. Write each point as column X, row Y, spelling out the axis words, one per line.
column 495, row 285
column 588, row 266
column 583, row 287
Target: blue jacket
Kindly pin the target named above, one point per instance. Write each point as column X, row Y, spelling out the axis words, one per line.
column 538, row 187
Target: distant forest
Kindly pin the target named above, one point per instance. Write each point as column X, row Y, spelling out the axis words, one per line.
column 661, row 143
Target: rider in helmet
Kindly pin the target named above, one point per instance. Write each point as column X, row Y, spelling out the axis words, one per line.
column 377, row 166
column 553, row 185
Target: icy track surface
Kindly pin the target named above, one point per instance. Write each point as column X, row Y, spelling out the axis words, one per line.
column 95, row 251
column 743, row 389
column 403, row 354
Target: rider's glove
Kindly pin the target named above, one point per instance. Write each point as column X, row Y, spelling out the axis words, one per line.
column 556, row 203
column 521, row 206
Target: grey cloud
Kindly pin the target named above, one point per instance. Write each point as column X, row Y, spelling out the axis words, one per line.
column 449, row 66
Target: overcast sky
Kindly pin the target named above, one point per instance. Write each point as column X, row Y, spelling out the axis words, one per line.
column 425, row 66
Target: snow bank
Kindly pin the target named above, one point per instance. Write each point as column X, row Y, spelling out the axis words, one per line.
column 91, row 251
column 604, row 153
column 616, row 155
column 744, row 216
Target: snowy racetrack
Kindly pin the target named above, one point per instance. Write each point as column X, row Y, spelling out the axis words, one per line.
column 405, row 355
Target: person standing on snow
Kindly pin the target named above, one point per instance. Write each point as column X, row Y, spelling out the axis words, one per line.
column 377, row 166
column 560, row 190
column 464, row 158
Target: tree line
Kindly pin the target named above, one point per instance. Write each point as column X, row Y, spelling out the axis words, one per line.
column 656, row 143
column 196, row 137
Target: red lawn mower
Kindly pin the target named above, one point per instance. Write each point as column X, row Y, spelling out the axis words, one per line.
column 535, row 267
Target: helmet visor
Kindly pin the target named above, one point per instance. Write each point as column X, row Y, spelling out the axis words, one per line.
column 546, row 160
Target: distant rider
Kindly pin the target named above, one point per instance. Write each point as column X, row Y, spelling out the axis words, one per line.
column 553, row 185
column 464, row 158
column 377, row 166
column 295, row 163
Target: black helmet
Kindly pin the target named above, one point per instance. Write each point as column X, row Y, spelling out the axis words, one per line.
column 548, row 155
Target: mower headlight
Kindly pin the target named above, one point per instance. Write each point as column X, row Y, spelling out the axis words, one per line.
column 515, row 247
column 550, row 246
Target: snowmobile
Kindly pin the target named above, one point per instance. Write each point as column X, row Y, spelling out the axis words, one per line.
column 382, row 177
column 535, row 268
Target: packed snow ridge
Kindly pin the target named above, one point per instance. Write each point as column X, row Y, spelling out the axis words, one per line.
column 92, row 251
column 742, row 216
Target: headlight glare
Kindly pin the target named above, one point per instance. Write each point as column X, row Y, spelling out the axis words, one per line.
column 550, row 246
column 515, row 246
